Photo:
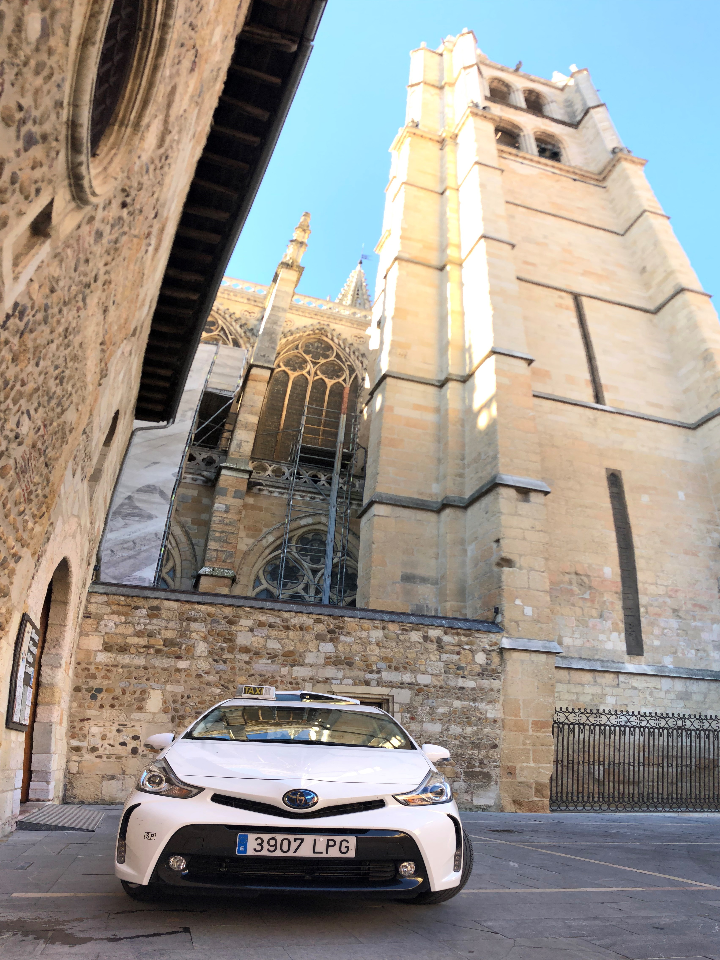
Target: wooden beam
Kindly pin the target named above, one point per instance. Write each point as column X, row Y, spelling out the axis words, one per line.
column 209, row 212
column 184, row 275
column 258, row 75
column 240, row 135
column 246, row 108
column 223, row 161
column 207, row 185
column 172, row 312
column 203, row 235
column 272, row 38
column 186, row 253
column 178, row 293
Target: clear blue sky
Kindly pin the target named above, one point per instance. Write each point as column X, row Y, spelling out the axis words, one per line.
column 653, row 61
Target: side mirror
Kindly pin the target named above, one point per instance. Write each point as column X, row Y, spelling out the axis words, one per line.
column 159, row 741
column 435, row 753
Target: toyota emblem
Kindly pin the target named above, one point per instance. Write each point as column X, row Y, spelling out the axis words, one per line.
column 300, row 799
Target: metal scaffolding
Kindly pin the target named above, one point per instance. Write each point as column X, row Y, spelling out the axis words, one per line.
column 318, row 474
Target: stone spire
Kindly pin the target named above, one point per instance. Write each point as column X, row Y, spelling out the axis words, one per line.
column 280, row 294
column 298, row 244
column 355, row 292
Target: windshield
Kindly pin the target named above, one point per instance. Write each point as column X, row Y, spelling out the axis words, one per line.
column 307, row 725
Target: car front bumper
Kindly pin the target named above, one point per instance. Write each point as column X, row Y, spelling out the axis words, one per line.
column 153, row 829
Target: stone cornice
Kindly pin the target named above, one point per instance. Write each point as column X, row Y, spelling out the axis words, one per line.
column 450, row 377
column 630, row 413
column 308, row 609
column 525, row 484
column 584, row 223
column 648, row 669
column 618, row 303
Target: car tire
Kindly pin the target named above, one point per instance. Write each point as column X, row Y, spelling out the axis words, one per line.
column 140, row 891
column 440, row 896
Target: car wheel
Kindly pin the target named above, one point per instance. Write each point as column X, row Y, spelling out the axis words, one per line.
column 140, row 891
column 440, row 896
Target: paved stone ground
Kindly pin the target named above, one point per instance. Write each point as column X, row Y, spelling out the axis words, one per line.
column 556, row 887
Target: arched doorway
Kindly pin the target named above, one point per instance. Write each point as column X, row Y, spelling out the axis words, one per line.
column 51, row 628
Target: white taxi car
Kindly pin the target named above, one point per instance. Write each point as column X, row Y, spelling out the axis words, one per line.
column 293, row 792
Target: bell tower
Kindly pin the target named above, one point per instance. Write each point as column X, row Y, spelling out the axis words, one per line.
column 545, row 390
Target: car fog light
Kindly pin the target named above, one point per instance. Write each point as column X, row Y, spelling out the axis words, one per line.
column 178, row 863
column 121, row 851
column 407, row 869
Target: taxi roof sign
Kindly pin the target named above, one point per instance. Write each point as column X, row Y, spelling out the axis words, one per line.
column 249, row 691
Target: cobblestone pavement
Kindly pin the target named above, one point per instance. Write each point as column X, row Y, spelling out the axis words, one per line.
column 554, row 887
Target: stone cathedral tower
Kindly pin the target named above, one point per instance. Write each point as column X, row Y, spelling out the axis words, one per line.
column 544, row 396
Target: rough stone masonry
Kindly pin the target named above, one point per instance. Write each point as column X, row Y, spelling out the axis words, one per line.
column 146, row 665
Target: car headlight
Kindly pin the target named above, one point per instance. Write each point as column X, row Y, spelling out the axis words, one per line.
column 158, row 778
column 433, row 789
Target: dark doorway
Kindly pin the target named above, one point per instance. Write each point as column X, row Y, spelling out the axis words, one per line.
column 27, row 755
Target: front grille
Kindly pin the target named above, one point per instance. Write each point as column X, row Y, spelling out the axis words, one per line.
column 290, row 871
column 336, row 810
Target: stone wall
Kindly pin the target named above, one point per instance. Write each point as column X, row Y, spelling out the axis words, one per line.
column 149, row 662
column 83, row 245
column 607, row 690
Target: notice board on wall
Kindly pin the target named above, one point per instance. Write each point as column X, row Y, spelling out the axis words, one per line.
column 23, row 675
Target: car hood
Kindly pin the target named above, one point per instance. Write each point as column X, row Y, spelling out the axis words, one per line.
column 193, row 760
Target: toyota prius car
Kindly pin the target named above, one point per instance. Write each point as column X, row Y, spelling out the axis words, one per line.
column 293, row 792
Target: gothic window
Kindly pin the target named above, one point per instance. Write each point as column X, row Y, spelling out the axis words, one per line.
column 313, row 372
column 548, row 148
column 507, row 137
column 534, row 101
column 302, row 576
column 499, row 90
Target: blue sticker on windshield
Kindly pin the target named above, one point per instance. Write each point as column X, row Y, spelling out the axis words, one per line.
column 242, row 843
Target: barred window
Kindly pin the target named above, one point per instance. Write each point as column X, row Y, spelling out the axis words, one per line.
column 311, row 371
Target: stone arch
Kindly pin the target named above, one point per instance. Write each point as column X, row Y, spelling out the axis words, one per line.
column 549, row 146
column 535, row 101
column 266, row 547
column 180, row 564
column 314, row 377
column 49, row 728
column 357, row 356
column 500, row 90
column 509, row 135
column 224, row 326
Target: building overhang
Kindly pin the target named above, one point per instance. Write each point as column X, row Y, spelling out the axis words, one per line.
column 270, row 55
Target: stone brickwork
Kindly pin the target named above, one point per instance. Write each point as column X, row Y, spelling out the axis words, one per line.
column 84, row 238
column 623, row 691
column 147, row 664
column 540, row 325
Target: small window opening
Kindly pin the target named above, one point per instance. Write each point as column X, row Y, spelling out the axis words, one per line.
column 102, row 456
column 35, row 234
column 534, row 102
column 507, row 138
column 500, row 91
column 212, row 415
column 548, row 149
column 118, row 51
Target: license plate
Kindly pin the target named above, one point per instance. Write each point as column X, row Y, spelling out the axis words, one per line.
column 285, row 845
